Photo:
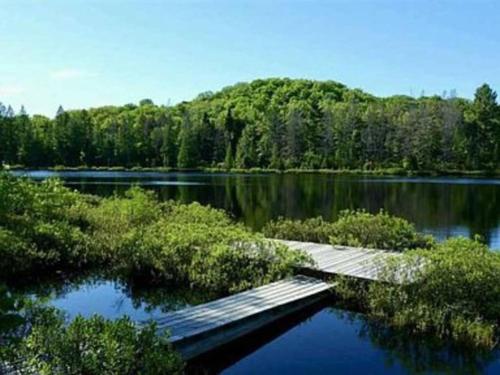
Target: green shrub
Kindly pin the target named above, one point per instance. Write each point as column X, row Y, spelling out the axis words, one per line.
column 16, row 253
column 309, row 230
column 11, row 318
column 230, row 268
column 452, row 291
column 379, row 231
column 203, row 248
column 46, row 226
column 353, row 228
column 40, row 226
column 94, row 346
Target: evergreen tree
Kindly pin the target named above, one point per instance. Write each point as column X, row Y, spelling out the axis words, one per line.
column 169, row 145
column 9, row 113
column 60, row 111
column 228, row 160
column 22, row 111
column 246, row 155
column 483, row 129
column 187, row 157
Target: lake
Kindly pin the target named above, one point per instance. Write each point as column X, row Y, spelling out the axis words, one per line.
column 442, row 206
column 324, row 338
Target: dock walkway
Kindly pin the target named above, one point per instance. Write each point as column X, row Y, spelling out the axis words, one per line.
column 198, row 329
column 343, row 260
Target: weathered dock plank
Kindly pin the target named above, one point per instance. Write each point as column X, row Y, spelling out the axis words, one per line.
column 196, row 330
column 344, row 260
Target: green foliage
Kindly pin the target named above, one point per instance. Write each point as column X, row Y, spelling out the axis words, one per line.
column 95, row 346
column 47, row 226
column 352, row 228
column 272, row 123
column 452, row 292
column 308, row 230
column 10, row 318
column 379, row 231
column 483, row 129
column 39, row 226
column 194, row 245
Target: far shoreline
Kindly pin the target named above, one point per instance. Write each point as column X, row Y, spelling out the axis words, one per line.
column 339, row 172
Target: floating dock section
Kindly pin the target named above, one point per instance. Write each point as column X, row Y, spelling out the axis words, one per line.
column 196, row 330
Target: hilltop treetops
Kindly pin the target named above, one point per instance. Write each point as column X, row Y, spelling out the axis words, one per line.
column 270, row 124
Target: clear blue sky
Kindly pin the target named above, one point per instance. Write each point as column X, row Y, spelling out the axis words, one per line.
column 89, row 53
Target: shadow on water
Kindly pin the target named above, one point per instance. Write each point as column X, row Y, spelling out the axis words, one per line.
column 326, row 339
column 227, row 355
column 320, row 339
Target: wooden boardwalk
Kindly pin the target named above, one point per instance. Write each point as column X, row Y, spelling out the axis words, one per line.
column 199, row 329
column 196, row 330
column 343, row 260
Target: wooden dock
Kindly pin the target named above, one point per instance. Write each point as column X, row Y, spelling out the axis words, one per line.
column 196, row 330
column 199, row 329
column 343, row 260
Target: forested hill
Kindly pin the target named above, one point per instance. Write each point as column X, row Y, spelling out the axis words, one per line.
column 272, row 123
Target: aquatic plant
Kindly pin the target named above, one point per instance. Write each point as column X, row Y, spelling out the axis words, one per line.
column 47, row 226
column 451, row 292
column 353, row 228
column 380, row 231
column 186, row 244
column 93, row 346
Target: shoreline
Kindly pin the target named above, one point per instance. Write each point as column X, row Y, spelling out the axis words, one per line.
column 340, row 172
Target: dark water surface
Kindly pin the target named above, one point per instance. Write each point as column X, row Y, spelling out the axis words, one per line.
column 442, row 206
column 326, row 339
column 323, row 339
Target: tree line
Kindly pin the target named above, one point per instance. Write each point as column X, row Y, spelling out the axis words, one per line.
column 272, row 123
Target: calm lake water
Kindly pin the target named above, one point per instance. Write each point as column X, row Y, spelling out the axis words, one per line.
column 442, row 206
column 323, row 339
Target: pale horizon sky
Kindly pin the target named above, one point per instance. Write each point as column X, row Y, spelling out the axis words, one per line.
column 82, row 54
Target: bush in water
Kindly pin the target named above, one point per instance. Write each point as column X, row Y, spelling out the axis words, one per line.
column 353, row 228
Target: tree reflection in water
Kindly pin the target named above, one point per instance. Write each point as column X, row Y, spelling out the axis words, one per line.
column 419, row 353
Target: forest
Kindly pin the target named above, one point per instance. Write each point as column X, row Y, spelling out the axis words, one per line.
column 270, row 124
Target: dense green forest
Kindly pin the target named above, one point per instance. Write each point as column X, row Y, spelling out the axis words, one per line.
column 272, row 123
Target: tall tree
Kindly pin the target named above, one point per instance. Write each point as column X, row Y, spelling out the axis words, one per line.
column 483, row 129
column 188, row 153
column 246, row 155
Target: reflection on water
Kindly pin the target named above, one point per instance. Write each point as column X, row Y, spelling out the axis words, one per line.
column 328, row 340
column 96, row 294
column 440, row 206
column 320, row 340
column 323, row 339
